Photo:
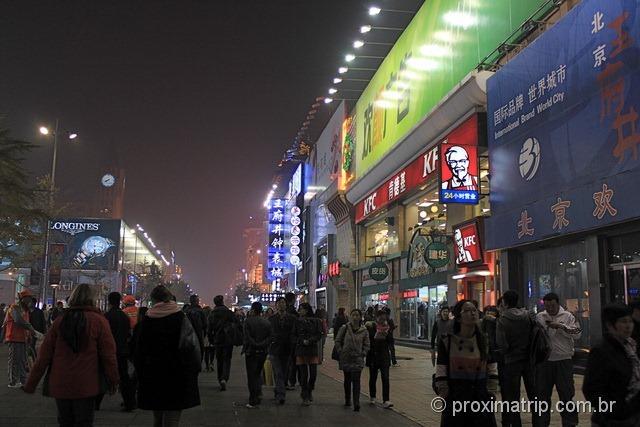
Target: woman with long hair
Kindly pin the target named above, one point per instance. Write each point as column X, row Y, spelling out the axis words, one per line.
column 167, row 365
column 465, row 370
column 306, row 334
column 352, row 344
column 79, row 353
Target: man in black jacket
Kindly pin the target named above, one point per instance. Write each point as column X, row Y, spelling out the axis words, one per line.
column 198, row 320
column 221, row 325
column 121, row 331
column 281, row 348
column 257, row 337
column 292, row 369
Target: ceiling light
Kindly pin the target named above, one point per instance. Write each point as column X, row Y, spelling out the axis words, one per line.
column 73, row 135
column 332, row 90
column 358, row 44
column 373, row 10
column 434, row 208
column 349, row 57
column 337, row 80
column 422, row 214
column 328, row 100
column 343, row 70
column 44, row 130
column 365, row 29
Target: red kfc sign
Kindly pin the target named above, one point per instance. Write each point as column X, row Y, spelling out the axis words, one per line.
column 467, row 243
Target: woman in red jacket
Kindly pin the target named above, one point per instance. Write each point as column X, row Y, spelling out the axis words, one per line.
column 80, row 353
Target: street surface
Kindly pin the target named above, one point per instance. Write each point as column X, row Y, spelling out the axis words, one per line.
column 410, row 392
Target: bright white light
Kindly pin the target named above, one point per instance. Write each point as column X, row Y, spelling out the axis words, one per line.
column 274, row 186
column 435, row 50
column 328, row 100
column 258, row 251
column 349, row 57
column 402, row 85
column 44, row 130
column 365, row 29
column 337, row 80
column 422, row 64
column 423, row 214
column 373, row 10
column 73, row 135
column 158, row 251
column 343, row 70
column 443, row 36
column 358, row 44
column 459, row 19
column 381, row 103
column 391, row 94
column 410, row 75
column 332, row 90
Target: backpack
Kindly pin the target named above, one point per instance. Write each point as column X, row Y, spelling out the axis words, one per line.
column 233, row 333
column 539, row 344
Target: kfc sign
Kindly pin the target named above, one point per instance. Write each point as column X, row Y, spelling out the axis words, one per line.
column 467, row 243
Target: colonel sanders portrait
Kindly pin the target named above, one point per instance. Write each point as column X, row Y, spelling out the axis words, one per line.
column 457, row 160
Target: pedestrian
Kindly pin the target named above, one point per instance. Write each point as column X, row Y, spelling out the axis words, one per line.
column 292, row 369
column 270, row 312
column 369, row 314
column 221, row 324
column 441, row 328
column 392, row 328
column 563, row 331
column 635, row 316
column 465, row 371
column 56, row 312
column 352, row 344
column 198, row 320
column 18, row 332
column 281, row 348
column 39, row 322
column 209, row 350
column 167, row 361
column 613, row 371
column 79, row 356
column 379, row 357
column 257, row 337
column 339, row 320
column 488, row 326
column 321, row 314
column 306, row 333
column 121, row 330
column 513, row 331
column 130, row 309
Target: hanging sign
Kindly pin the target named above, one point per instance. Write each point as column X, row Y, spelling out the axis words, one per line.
column 378, row 271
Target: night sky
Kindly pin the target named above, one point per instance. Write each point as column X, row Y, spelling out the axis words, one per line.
column 197, row 100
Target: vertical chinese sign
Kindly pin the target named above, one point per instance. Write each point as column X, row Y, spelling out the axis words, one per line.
column 276, row 253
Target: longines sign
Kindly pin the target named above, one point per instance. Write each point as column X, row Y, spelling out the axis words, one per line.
column 74, row 228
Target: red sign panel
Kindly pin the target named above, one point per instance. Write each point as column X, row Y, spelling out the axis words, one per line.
column 334, row 269
column 467, row 243
column 411, row 293
column 417, row 173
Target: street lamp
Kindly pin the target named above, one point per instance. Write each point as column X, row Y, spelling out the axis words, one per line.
column 367, row 28
column 359, row 43
column 374, row 10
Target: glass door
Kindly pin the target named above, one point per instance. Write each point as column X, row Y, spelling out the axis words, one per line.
column 625, row 282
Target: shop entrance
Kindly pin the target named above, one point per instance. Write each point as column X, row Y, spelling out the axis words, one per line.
column 625, row 282
column 418, row 310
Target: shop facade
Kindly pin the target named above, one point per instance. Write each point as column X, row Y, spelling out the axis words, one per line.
column 563, row 150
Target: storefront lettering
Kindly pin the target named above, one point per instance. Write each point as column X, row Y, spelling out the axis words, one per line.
column 524, row 228
column 430, row 162
column 370, row 204
column 602, row 199
column 560, row 211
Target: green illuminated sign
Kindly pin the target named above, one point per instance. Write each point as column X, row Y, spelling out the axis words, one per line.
column 442, row 44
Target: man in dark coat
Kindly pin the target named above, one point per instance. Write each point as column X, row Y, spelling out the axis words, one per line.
column 198, row 319
column 36, row 317
column 292, row 369
column 221, row 325
column 257, row 337
column 281, row 349
column 121, row 331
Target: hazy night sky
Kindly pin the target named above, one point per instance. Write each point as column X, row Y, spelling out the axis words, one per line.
column 198, row 99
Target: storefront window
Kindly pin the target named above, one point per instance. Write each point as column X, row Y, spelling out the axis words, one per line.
column 381, row 237
column 562, row 270
column 624, row 268
column 426, row 211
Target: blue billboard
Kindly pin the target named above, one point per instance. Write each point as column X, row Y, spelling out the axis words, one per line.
column 276, row 253
column 563, row 128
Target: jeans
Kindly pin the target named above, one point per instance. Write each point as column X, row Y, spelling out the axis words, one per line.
column 279, row 363
column 127, row 385
column 75, row 412
column 224, row 354
column 511, row 389
column 307, row 375
column 373, row 379
column 560, row 374
column 17, row 362
column 352, row 380
column 254, row 363
column 166, row 418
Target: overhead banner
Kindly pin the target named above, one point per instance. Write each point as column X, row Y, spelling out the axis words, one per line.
column 444, row 42
column 84, row 244
column 563, row 128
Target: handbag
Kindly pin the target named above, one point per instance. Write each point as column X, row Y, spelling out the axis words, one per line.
column 189, row 346
column 335, row 354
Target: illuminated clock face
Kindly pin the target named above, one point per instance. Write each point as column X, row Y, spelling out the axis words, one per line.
column 96, row 245
column 108, row 180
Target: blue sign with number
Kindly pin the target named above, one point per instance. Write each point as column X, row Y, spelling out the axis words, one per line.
column 564, row 133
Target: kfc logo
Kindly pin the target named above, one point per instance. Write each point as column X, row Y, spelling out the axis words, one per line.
column 467, row 244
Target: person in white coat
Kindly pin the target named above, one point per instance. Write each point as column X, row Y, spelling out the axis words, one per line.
column 563, row 331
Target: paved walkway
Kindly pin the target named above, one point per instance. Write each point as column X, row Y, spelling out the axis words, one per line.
column 217, row 409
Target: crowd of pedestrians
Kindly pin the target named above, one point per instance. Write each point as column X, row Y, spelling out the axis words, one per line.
column 153, row 356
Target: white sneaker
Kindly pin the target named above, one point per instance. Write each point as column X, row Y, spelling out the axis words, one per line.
column 16, row 385
column 372, row 401
column 387, row 405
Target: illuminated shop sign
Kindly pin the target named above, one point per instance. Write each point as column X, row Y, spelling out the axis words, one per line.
column 334, row 269
column 295, row 185
column 276, row 254
column 294, row 248
column 85, row 244
column 467, row 243
column 411, row 293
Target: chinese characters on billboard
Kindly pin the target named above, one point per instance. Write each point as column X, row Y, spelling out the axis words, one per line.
column 276, row 253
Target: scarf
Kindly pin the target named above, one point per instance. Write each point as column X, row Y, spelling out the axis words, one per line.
column 630, row 348
column 382, row 330
column 163, row 309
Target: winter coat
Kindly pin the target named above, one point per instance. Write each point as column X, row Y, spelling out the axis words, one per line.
column 338, row 321
column 219, row 320
column 562, row 341
column 309, row 329
column 379, row 355
column 352, row 346
column 513, row 332
column 257, row 335
column 37, row 320
column 120, row 329
column 164, row 383
column 198, row 321
column 607, row 378
column 440, row 329
column 16, row 324
column 77, row 375
column 488, row 326
column 282, row 328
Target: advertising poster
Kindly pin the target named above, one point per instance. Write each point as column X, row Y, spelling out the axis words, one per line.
column 84, row 244
column 459, row 176
column 467, row 244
